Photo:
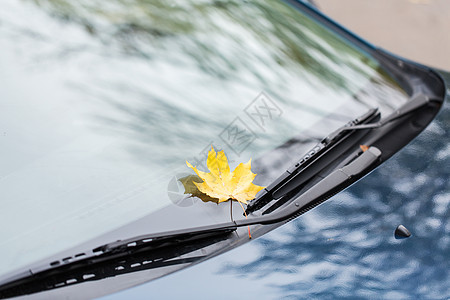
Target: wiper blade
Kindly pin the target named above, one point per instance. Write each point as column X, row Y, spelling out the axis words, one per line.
column 302, row 171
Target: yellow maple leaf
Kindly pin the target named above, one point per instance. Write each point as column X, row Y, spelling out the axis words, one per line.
column 223, row 184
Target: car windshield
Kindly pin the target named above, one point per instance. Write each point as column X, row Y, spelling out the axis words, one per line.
column 102, row 103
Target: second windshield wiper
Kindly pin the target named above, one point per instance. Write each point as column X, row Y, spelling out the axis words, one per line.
column 312, row 162
column 325, row 152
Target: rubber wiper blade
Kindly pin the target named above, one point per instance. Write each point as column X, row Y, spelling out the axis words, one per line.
column 303, row 170
column 172, row 237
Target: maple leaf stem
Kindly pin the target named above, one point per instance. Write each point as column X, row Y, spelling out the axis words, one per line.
column 248, row 227
column 231, row 210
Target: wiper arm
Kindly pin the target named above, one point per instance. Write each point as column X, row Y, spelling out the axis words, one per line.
column 417, row 102
column 321, row 191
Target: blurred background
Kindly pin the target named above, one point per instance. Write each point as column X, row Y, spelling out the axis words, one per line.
column 415, row 29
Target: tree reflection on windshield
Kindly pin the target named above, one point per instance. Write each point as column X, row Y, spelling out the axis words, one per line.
column 137, row 27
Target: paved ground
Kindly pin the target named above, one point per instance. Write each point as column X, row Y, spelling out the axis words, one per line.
column 415, row 29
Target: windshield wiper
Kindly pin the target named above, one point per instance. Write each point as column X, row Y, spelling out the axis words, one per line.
column 115, row 259
column 302, row 171
column 320, row 155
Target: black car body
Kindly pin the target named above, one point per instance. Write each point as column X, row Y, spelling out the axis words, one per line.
column 407, row 97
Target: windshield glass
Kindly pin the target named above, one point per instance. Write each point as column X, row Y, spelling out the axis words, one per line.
column 102, row 103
